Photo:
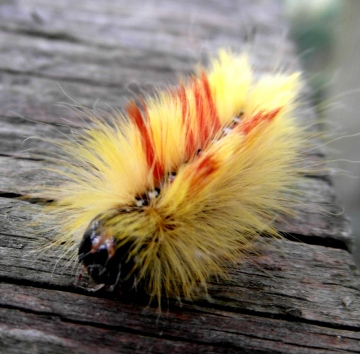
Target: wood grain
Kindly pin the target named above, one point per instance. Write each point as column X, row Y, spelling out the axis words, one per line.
column 299, row 294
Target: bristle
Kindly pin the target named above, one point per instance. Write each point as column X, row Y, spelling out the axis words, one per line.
column 181, row 188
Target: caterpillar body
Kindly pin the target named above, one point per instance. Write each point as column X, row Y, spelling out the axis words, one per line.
column 177, row 189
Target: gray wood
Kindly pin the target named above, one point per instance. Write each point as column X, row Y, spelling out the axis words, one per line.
column 299, row 294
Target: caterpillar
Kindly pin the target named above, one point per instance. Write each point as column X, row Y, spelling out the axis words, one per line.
column 178, row 188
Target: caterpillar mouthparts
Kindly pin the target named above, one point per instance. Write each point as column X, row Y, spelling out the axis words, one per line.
column 179, row 188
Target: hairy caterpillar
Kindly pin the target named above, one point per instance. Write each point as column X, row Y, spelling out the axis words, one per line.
column 178, row 188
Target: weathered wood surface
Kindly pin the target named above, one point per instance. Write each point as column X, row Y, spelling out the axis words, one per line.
column 299, row 295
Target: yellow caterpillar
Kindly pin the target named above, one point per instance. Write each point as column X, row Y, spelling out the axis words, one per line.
column 177, row 189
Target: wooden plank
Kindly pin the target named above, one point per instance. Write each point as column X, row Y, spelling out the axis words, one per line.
column 282, row 279
column 293, row 296
column 85, row 51
column 167, row 26
column 316, row 216
column 87, row 324
column 274, row 318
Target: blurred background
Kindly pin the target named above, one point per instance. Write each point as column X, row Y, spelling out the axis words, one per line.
column 327, row 33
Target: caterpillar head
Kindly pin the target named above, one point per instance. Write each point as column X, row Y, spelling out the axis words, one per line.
column 103, row 258
column 108, row 255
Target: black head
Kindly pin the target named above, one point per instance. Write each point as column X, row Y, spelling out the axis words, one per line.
column 105, row 261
